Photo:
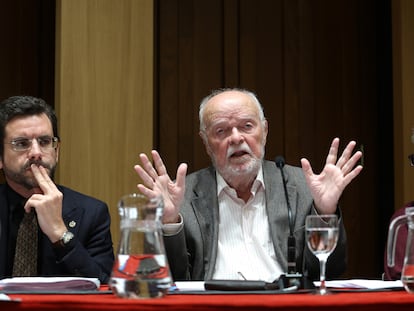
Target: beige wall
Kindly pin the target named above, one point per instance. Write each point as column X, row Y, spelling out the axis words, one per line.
column 403, row 76
column 104, row 95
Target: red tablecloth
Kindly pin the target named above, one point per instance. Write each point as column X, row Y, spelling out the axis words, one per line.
column 392, row 300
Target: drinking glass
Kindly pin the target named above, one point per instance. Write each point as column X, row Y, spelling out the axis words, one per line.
column 322, row 237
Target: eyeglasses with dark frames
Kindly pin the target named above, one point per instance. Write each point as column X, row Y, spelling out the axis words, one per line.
column 46, row 143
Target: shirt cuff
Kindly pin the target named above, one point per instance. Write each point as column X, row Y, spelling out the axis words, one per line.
column 174, row 228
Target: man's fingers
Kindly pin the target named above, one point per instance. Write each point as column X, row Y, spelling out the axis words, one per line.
column 181, row 173
column 159, row 164
column 306, row 168
column 146, row 179
column 42, row 177
column 352, row 174
column 346, row 154
column 40, row 173
column 28, row 206
column 333, row 152
column 351, row 163
column 145, row 191
column 148, row 166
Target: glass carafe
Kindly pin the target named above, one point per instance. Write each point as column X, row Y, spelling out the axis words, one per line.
column 141, row 268
column 407, row 274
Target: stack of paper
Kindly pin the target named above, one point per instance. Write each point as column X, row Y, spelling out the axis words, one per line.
column 362, row 284
column 49, row 284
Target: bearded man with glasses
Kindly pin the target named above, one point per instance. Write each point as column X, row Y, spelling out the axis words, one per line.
column 73, row 230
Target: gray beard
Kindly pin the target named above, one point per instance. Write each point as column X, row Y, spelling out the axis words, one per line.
column 249, row 172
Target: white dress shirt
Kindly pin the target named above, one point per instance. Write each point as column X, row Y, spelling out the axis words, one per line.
column 245, row 249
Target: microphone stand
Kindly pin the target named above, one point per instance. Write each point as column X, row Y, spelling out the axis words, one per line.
column 292, row 277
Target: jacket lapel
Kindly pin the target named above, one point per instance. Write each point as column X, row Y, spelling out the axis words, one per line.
column 277, row 209
column 4, row 216
column 205, row 206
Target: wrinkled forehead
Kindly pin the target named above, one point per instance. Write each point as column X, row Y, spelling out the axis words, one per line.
column 230, row 106
column 28, row 125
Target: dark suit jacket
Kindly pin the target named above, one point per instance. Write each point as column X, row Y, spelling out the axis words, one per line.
column 192, row 252
column 92, row 253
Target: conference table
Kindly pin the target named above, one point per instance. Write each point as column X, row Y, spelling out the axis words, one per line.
column 103, row 299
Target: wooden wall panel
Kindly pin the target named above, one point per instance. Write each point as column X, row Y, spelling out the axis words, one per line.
column 104, row 95
column 27, row 54
column 403, row 74
column 27, row 34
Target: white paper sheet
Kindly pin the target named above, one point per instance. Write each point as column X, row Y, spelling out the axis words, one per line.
column 362, row 284
column 189, row 286
column 4, row 297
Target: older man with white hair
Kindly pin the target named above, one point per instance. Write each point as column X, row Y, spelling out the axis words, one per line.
column 231, row 220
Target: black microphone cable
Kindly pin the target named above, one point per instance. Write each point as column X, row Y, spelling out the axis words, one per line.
column 291, row 258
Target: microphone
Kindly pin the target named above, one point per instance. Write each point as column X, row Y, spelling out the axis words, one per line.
column 292, row 277
column 291, row 258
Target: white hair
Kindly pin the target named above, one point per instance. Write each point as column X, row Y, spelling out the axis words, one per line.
column 222, row 90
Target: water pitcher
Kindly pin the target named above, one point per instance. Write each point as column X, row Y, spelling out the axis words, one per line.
column 141, row 268
column 407, row 274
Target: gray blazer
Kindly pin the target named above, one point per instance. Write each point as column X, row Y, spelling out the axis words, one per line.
column 192, row 252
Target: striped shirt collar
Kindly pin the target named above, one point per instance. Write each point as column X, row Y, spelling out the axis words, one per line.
column 222, row 184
